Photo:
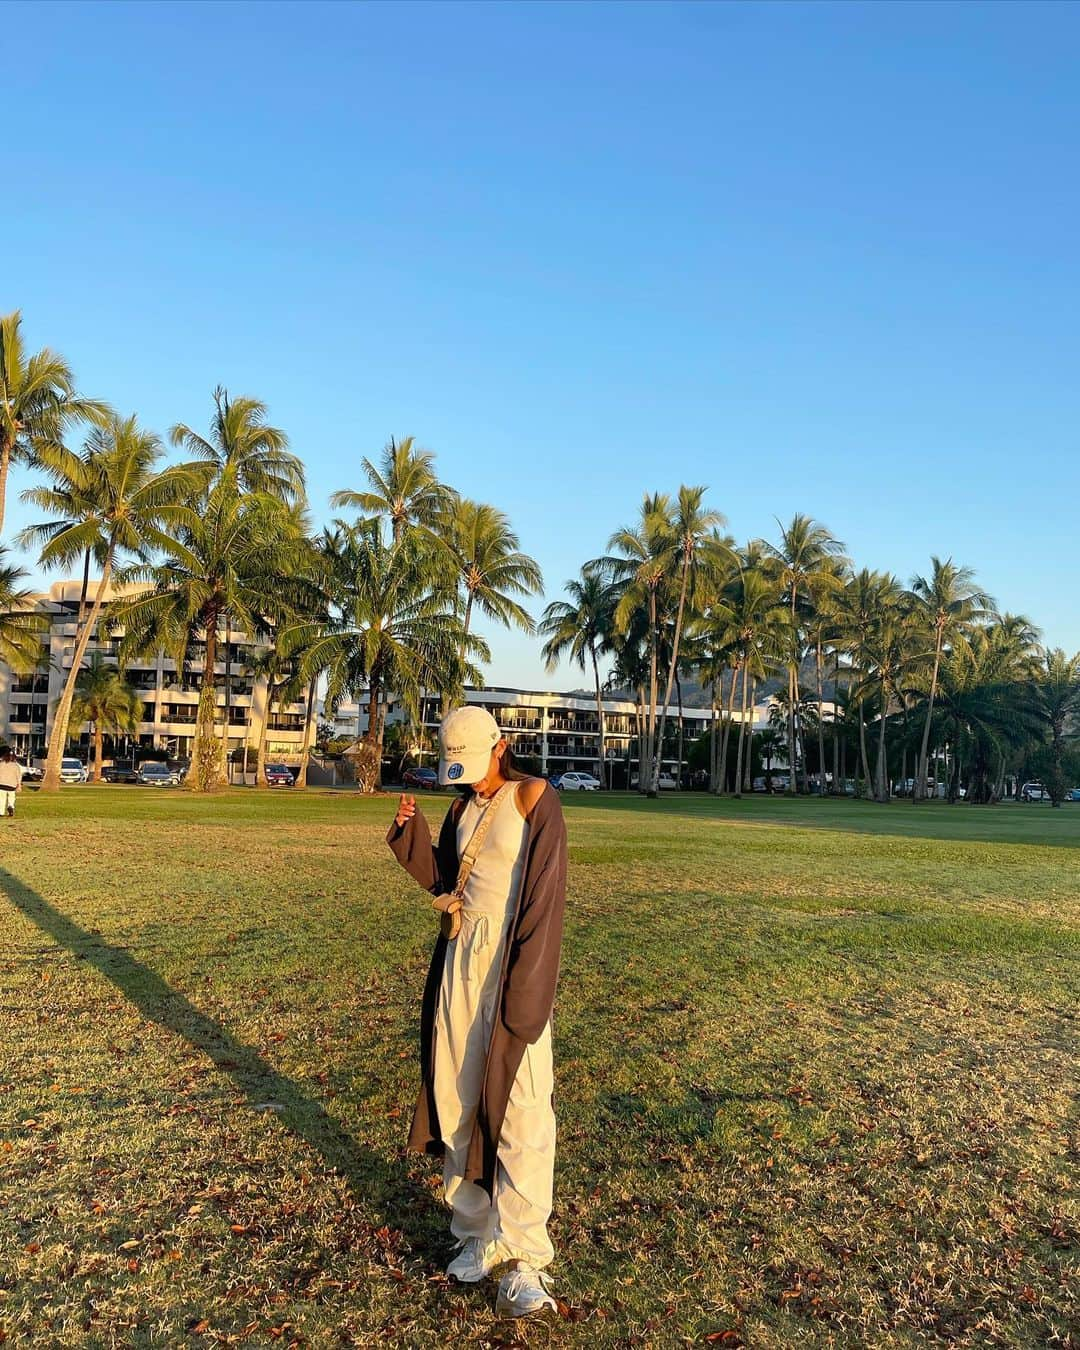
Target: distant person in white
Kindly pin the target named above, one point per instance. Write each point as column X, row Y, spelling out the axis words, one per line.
column 10, row 781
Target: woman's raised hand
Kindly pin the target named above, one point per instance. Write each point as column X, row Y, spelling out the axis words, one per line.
column 406, row 809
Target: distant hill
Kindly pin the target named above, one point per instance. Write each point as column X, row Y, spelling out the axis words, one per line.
column 697, row 695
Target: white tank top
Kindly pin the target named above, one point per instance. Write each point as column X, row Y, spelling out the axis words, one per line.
column 493, row 883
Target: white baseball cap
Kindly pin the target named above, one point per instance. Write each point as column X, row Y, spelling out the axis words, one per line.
column 466, row 739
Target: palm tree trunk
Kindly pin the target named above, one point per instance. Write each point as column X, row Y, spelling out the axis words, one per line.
column 725, row 739
column 793, row 698
column 98, row 738
column 678, row 695
column 882, row 764
column 922, row 773
column 742, row 730
column 58, row 739
column 448, row 694
column 207, row 771
column 647, row 782
column 228, row 693
column 748, row 782
column 673, row 667
column 260, row 757
column 305, row 749
column 5, row 465
column 599, row 715
column 862, row 747
column 85, row 588
column 370, row 757
column 818, row 663
column 715, row 709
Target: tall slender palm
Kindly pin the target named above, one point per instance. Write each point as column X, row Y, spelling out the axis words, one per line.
column 802, row 559
column 403, row 487
column 949, row 602
column 1058, row 694
column 822, row 633
column 134, row 506
column 859, row 606
column 104, row 699
column 387, row 630
column 581, row 628
column 490, row 570
column 245, row 453
column 697, row 544
column 21, row 626
column 38, row 401
column 644, row 562
column 757, row 627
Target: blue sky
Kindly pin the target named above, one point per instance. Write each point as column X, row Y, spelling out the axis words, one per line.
column 819, row 257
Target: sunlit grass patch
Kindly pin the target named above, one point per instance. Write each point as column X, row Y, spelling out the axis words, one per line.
column 817, row 1077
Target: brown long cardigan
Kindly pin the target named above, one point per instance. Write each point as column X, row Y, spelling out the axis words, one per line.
column 530, row 971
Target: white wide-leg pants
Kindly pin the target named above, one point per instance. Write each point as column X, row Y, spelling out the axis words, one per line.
column 515, row 1218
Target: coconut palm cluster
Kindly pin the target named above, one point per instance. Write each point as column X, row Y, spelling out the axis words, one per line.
column 872, row 682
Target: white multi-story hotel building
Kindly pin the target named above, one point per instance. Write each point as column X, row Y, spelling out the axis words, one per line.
column 170, row 696
column 561, row 731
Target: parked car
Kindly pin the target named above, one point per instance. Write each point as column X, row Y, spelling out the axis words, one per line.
column 32, row 773
column 73, row 771
column 664, row 782
column 421, row 777
column 1074, row 795
column 1034, row 792
column 279, row 775
column 555, row 779
column 123, row 771
column 578, row 782
column 155, row 774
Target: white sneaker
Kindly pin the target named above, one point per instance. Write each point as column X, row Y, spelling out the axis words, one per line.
column 474, row 1262
column 523, row 1292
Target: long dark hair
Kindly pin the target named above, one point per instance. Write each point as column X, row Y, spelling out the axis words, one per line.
column 510, row 770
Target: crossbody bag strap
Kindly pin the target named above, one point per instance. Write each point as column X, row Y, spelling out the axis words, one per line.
column 472, row 850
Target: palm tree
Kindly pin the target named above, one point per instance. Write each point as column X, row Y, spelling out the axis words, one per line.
column 104, row 699
column 822, row 632
column 21, row 625
column 37, row 401
column 697, row 542
column 887, row 653
column 859, row 606
column 581, row 628
column 803, row 560
column 244, row 453
column 648, row 552
column 757, row 628
column 988, row 708
column 949, row 602
column 386, row 630
column 131, row 506
column 231, row 560
column 489, row 568
column 404, row 488
column 1058, row 694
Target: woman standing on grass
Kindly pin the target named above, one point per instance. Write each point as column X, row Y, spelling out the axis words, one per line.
column 498, row 874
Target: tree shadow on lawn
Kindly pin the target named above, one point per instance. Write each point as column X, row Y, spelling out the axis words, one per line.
column 376, row 1181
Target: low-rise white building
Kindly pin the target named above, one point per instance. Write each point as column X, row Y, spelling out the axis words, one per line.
column 560, row 731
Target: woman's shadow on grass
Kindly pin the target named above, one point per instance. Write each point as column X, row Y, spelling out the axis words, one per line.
column 382, row 1184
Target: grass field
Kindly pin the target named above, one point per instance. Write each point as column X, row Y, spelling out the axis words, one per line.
column 817, row 1072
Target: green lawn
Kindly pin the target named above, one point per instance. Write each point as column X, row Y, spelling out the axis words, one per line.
column 817, row 1073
